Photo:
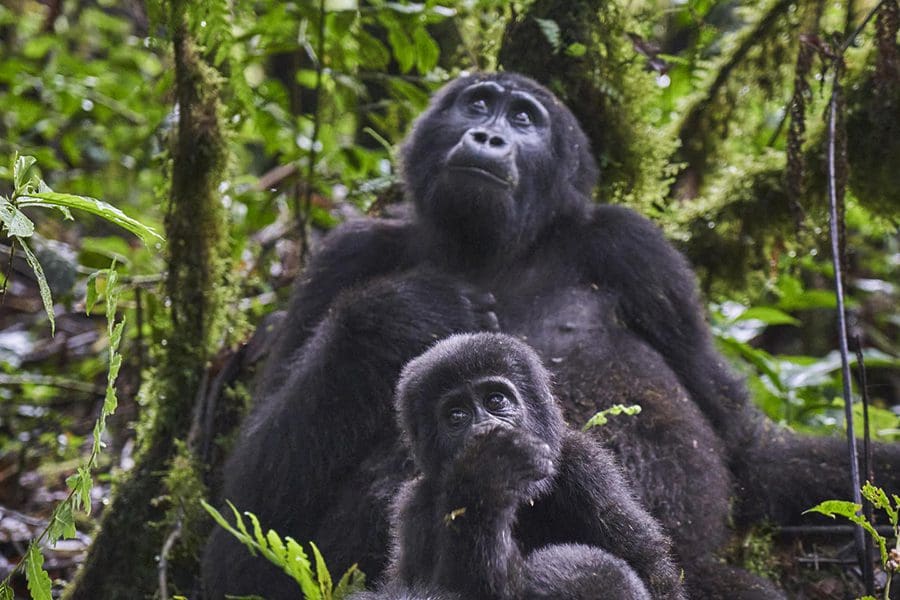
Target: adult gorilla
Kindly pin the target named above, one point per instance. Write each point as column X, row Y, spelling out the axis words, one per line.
column 504, row 236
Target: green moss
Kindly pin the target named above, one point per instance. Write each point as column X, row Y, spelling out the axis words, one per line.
column 591, row 64
column 184, row 487
column 755, row 551
column 873, row 144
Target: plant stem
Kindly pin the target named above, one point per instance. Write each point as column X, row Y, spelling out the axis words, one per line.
column 836, row 258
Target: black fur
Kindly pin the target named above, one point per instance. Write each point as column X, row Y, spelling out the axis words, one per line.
column 607, row 303
column 511, row 504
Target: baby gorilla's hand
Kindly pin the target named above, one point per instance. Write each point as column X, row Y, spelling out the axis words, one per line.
column 501, row 466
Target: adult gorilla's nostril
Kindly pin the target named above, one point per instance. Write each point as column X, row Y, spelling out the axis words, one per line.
column 497, row 141
column 479, row 136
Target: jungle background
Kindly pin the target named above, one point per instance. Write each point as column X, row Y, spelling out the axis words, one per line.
column 240, row 131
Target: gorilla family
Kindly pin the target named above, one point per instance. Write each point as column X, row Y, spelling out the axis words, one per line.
column 503, row 237
column 510, row 504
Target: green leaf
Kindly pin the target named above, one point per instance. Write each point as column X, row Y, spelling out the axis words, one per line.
column 576, row 50
column 403, row 47
column 63, row 524
column 298, row 566
column 427, row 50
column 83, row 488
column 38, row 580
column 322, row 574
column 276, row 545
column 341, row 5
column 95, row 207
column 768, row 315
column 602, row 417
column 93, row 294
column 550, row 29
column 6, row 592
column 842, row 508
column 116, row 338
column 353, row 580
column 22, row 171
column 879, row 499
column 14, row 220
column 46, row 297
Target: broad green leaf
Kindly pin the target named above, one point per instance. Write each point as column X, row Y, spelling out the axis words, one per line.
column 38, row 580
column 427, row 50
column 322, row 574
column 95, row 207
column 46, row 297
column 842, row 508
column 14, row 220
column 403, row 47
column 22, row 171
column 63, row 524
column 768, row 315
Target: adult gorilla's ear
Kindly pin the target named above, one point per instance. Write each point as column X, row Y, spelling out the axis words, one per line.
column 574, row 146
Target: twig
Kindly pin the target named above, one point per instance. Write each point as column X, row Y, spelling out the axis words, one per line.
column 849, row 41
column 829, row 530
column 839, row 293
column 50, row 381
column 163, row 568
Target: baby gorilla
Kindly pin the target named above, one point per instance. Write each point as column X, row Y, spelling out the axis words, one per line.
column 509, row 503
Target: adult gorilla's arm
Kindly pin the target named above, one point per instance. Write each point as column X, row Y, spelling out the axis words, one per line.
column 591, row 487
column 658, row 301
column 353, row 253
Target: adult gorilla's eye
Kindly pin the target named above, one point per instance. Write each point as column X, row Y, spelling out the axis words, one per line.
column 496, row 402
column 478, row 105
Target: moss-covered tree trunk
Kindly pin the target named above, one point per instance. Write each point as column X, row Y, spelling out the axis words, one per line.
column 122, row 563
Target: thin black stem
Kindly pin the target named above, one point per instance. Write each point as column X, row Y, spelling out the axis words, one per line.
column 849, row 41
column 869, row 567
column 839, row 293
column 317, row 119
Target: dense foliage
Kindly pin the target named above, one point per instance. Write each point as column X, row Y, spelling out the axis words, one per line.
column 710, row 117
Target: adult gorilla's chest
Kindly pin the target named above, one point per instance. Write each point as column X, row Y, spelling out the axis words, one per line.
column 575, row 327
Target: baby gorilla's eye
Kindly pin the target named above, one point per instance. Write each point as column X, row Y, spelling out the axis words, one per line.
column 496, row 402
column 522, row 117
column 457, row 416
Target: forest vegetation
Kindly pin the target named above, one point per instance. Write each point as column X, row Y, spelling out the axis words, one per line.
column 167, row 168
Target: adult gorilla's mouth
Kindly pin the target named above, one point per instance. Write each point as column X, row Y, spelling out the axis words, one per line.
column 499, row 178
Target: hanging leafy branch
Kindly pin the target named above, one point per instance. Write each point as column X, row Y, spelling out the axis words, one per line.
column 291, row 558
column 61, row 524
column 30, row 191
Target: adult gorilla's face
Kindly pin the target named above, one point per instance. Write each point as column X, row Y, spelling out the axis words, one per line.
column 499, row 126
column 493, row 159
